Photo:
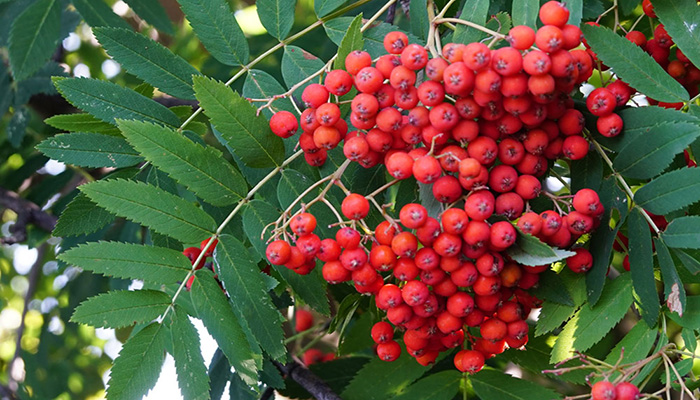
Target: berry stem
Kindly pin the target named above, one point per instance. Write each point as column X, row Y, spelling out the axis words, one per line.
column 471, row 25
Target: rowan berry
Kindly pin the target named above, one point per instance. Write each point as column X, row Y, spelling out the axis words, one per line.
column 326, row 137
column 506, row 61
column 388, row 351
column 601, row 102
column 426, row 169
column 458, row 79
column 521, row 37
column 414, row 57
column 395, row 42
column 480, row 205
column 357, row 60
column 338, row 82
column 334, row 272
column 603, row 390
column 549, row 38
column 626, row 391
column 572, row 36
column 447, row 189
column 470, row 361
column 314, row 95
column 493, row 330
column 369, row 80
column 554, row 13
column 575, row 147
column 581, row 262
column 303, row 320
column 283, row 124
column 503, row 234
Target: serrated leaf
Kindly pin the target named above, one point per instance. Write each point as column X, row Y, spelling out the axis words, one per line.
column 670, row 192
column 633, row 65
column 154, row 14
column 147, row 205
column 138, row 365
column 219, row 374
column 277, row 16
column 636, row 345
column 418, row 17
column 641, row 257
column 98, row 13
column 248, row 135
column 495, row 385
column 216, row 313
column 374, row 35
column 380, row 380
column 297, row 65
column 601, row 243
column 474, row 11
column 525, row 12
column 552, row 316
column 148, row 60
column 674, row 292
column 121, row 308
column 648, row 156
column 683, row 232
column 34, row 36
column 529, row 250
column 587, row 172
column 261, row 85
column 192, row 375
column 130, row 261
column 92, row 150
column 81, row 216
column 241, row 278
column 691, row 318
column 440, row 386
column 325, row 7
column 590, row 325
column 109, row 101
column 551, row 287
column 202, row 169
column 81, row 122
column 351, row 41
column 213, row 22
column 310, row 288
column 39, row 82
column 690, row 263
column 678, row 16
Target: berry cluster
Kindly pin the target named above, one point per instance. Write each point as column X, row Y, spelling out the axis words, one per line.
column 604, row 390
column 481, row 130
column 193, row 253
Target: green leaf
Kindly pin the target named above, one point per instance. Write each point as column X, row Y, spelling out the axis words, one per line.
column 248, row 135
column 277, row 16
column 648, row 156
column 674, row 292
column 670, row 192
column 676, row 15
column 138, row 366
column 374, row 36
column 636, row 345
column 109, row 101
column 148, row 60
column 633, row 65
column 576, row 11
column 551, row 287
column 17, row 127
column 590, row 325
column 297, row 65
column 495, row 385
column 418, row 17
column 192, row 375
column 325, row 7
column 217, row 28
column 202, row 169
column 121, row 308
column 689, row 262
column 380, row 380
column 552, row 316
column 80, row 217
column 242, row 280
column 147, row 205
column 641, row 256
column 587, row 172
column 98, row 13
column 219, row 374
column 474, row 11
column 351, row 41
column 683, row 232
column 130, row 261
column 310, row 288
column 81, row 122
column 5, row 89
column 525, row 12
column 261, row 85
column 155, row 15
column 691, row 318
column 38, row 83
column 90, row 150
column 440, row 386
column 529, row 250
column 33, row 37
column 216, row 313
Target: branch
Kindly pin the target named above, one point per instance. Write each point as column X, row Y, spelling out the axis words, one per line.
column 308, row 380
column 27, row 213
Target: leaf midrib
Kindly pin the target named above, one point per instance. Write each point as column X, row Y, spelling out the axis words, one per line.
column 214, row 22
column 41, row 25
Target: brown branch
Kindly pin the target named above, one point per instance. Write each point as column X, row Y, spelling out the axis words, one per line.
column 27, row 213
column 308, row 380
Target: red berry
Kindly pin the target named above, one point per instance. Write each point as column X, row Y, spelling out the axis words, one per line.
column 388, row 351
column 603, row 390
column 382, row 332
column 626, row 391
column 395, row 42
column 470, row 361
column 355, row 206
column 303, row 320
column 581, row 262
column 554, row 13
column 284, row 124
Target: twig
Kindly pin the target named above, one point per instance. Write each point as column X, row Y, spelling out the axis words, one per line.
column 308, row 380
column 27, row 213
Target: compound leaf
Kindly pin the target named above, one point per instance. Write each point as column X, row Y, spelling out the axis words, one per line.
column 81, row 216
column 495, row 385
